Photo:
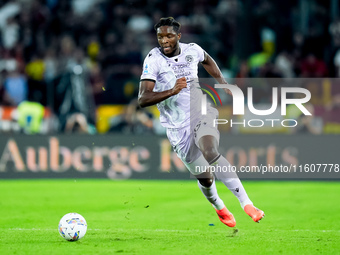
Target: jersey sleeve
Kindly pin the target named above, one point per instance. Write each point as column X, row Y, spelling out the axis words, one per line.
column 200, row 52
column 150, row 68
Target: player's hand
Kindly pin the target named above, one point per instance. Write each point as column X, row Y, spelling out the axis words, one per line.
column 180, row 84
column 228, row 91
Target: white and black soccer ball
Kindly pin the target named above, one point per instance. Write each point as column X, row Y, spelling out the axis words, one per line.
column 72, row 226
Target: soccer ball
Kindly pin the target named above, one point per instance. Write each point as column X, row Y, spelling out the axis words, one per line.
column 72, row 226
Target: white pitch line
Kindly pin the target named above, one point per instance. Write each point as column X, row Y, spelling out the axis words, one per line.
column 165, row 230
column 95, row 229
column 320, row 230
column 39, row 229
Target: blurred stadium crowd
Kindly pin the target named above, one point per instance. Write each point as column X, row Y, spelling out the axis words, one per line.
column 74, row 65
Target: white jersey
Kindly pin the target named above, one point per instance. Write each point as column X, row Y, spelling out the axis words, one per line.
column 175, row 111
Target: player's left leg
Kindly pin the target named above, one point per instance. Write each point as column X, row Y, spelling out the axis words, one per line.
column 208, row 144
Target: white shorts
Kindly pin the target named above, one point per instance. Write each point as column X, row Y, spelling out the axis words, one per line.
column 185, row 140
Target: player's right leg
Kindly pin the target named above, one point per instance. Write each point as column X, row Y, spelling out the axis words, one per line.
column 233, row 183
column 206, row 183
column 192, row 157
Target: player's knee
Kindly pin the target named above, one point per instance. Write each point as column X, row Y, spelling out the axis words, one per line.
column 206, row 182
column 210, row 153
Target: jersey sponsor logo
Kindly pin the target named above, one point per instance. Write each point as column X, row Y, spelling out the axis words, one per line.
column 189, row 58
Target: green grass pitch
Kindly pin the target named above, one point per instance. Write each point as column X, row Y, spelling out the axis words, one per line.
column 167, row 217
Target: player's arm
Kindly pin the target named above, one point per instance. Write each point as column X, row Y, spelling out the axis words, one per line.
column 212, row 68
column 147, row 96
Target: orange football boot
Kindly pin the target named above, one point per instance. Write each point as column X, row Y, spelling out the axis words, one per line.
column 226, row 217
column 255, row 213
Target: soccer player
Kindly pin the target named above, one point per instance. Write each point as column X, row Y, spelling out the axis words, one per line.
column 167, row 80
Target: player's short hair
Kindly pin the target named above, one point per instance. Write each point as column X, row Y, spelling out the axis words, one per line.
column 169, row 21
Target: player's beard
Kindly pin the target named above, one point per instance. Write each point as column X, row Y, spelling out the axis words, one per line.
column 170, row 51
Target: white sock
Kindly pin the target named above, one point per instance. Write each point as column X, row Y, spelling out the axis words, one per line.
column 231, row 181
column 212, row 196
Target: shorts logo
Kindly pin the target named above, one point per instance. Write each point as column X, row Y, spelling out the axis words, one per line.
column 189, row 58
column 197, row 128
